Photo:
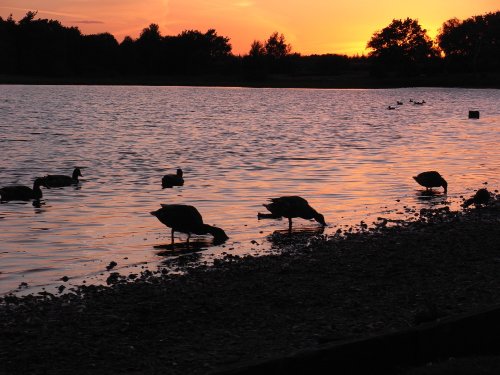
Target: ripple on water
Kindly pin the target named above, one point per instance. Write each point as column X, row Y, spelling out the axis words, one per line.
column 340, row 149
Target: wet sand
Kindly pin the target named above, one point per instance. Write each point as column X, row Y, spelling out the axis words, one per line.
column 315, row 292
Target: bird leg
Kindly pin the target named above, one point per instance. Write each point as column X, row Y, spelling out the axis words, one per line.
column 172, row 236
column 290, row 224
column 189, row 236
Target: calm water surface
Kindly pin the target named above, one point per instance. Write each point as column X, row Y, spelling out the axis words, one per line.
column 341, row 149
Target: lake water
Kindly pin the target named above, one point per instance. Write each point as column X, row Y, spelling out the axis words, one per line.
column 341, row 149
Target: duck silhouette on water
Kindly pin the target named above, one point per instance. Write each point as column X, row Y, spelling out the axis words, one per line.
column 187, row 219
column 23, row 193
column 291, row 207
column 59, row 180
column 431, row 179
column 171, row 180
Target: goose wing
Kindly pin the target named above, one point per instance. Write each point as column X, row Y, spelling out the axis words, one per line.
column 180, row 217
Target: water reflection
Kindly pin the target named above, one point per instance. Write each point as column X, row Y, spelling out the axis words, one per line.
column 351, row 159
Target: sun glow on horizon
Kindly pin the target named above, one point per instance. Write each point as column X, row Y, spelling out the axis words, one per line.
column 319, row 27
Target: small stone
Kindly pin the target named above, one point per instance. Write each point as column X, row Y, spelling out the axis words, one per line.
column 111, row 265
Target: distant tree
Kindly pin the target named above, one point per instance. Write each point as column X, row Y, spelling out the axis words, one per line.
column 8, row 45
column 276, row 46
column 255, row 63
column 149, row 50
column 257, row 49
column 278, row 53
column 472, row 44
column 217, row 46
column 99, row 54
column 328, row 64
column 45, row 46
column 193, row 51
column 150, row 34
column 403, row 46
column 128, row 59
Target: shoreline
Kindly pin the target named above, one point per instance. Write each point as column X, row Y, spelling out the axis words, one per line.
column 317, row 291
column 360, row 80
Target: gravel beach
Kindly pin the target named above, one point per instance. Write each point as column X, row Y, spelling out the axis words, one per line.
column 318, row 290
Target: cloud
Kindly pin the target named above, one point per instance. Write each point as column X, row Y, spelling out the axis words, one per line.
column 88, row 22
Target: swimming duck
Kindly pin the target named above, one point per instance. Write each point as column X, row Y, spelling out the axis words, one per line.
column 399, row 102
column 170, row 180
column 391, row 107
column 22, row 193
column 290, row 207
column 481, row 197
column 431, row 179
column 186, row 219
column 59, row 180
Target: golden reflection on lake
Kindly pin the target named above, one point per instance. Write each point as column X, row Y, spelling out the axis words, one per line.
column 342, row 150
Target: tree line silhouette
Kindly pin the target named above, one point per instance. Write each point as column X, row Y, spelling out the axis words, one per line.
column 43, row 47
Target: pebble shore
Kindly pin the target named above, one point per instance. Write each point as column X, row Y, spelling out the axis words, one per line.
column 318, row 290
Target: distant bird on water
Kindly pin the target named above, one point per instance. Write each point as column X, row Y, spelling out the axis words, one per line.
column 186, row 219
column 431, row 179
column 290, row 207
column 482, row 197
column 59, row 180
column 22, row 193
column 170, row 180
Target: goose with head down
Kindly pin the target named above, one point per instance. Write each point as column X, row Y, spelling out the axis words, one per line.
column 291, row 207
column 431, row 179
column 187, row 219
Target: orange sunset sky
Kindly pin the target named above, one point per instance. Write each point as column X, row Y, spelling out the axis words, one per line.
column 312, row 26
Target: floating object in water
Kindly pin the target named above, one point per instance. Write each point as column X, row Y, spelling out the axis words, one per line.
column 171, row 180
column 290, row 207
column 474, row 114
column 431, row 179
column 419, row 103
column 22, row 193
column 399, row 102
column 482, row 197
column 391, row 107
column 58, row 180
column 186, row 219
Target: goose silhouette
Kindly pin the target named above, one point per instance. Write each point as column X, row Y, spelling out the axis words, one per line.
column 431, row 179
column 171, row 180
column 22, row 193
column 482, row 197
column 291, row 207
column 59, row 180
column 187, row 219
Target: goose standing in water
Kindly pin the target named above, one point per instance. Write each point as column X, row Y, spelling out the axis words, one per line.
column 431, row 179
column 186, row 219
column 290, row 207
column 22, row 193
column 59, row 180
column 171, row 180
